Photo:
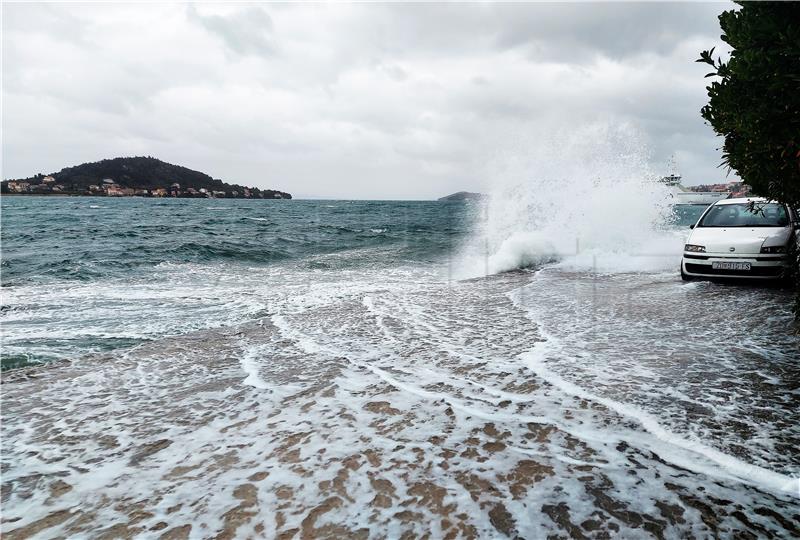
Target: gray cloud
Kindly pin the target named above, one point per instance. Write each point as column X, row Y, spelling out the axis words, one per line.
column 573, row 32
column 406, row 101
column 248, row 31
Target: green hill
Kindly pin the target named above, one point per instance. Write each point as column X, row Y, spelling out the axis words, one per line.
column 144, row 175
column 463, row 196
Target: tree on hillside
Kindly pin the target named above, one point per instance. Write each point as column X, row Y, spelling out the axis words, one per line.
column 755, row 104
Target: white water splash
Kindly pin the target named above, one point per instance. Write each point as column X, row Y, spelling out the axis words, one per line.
column 585, row 196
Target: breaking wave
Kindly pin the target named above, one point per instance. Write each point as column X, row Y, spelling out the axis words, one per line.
column 585, row 197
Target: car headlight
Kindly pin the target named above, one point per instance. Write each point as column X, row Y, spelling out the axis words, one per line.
column 773, row 249
column 693, row 247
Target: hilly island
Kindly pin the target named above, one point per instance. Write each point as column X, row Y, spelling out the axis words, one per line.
column 131, row 177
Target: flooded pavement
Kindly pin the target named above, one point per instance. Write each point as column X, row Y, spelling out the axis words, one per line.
column 523, row 405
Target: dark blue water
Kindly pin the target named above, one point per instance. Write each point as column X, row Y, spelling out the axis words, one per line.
column 85, row 274
column 79, row 238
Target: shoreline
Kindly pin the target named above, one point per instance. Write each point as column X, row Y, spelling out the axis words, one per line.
column 317, row 200
column 285, row 425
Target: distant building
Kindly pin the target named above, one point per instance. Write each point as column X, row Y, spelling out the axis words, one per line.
column 48, row 180
column 736, row 188
column 95, row 189
column 158, row 192
column 220, row 194
column 18, row 187
column 739, row 189
column 119, row 191
column 108, row 181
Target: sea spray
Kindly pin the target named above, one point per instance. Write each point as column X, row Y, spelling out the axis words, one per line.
column 585, row 196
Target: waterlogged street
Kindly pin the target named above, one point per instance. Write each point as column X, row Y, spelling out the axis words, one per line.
column 525, row 404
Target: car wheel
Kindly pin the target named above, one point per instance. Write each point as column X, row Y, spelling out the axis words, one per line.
column 786, row 281
column 684, row 275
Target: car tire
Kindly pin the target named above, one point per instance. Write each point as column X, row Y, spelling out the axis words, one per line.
column 786, row 281
column 684, row 275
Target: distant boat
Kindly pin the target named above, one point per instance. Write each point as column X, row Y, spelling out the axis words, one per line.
column 684, row 196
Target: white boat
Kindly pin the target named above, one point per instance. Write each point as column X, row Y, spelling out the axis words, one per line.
column 684, row 196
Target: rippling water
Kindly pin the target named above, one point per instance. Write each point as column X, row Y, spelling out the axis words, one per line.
column 94, row 274
column 311, row 369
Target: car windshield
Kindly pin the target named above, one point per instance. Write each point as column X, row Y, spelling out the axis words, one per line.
column 746, row 215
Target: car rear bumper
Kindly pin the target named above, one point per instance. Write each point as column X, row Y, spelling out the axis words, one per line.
column 761, row 266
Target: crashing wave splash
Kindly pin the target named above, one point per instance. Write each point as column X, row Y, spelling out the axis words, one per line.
column 584, row 196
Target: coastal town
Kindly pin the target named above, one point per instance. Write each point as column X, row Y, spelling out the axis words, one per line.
column 107, row 187
column 735, row 188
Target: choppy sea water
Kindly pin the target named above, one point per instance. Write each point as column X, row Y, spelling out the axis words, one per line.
column 313, row 369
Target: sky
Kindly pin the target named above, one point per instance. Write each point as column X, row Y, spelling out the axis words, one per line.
column 369, row 101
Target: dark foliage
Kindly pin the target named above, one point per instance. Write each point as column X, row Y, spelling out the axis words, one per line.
column 755, row 104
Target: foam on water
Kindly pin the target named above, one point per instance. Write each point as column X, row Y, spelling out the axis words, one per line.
column 137, row 269
column 370, row 403
column 715, row 462
column 717, row 385
column 66, row 320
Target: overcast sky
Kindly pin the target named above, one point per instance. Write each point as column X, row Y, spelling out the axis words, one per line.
column 351, row 101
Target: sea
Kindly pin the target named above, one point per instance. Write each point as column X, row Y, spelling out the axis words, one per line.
column 530, row 366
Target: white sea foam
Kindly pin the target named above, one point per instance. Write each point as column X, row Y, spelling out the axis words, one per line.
column 595, row 331
column 249, row 360
column 715, row 463
column 172, row 299
column 364, row 379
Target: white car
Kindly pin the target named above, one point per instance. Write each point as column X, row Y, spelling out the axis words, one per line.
column 741, row 238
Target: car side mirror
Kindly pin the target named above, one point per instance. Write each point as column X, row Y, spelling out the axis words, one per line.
column 691, row 226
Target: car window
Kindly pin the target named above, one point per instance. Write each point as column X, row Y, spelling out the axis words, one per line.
column 746, row 215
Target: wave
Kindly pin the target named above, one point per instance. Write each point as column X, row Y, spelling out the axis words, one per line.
column 578, row 196
column 193, row 251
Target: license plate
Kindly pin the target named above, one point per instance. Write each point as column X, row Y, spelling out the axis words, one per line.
column 724, row 265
